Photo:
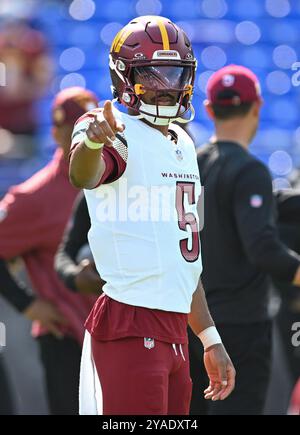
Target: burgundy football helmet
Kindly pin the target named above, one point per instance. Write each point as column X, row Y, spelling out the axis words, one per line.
column 153, row 54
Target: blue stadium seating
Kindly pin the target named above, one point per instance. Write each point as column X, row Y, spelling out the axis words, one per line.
column 280, row 112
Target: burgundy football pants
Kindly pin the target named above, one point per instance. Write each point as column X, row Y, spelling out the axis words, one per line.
column 136, row 380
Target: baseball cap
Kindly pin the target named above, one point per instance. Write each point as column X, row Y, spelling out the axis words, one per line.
column 232, row 86
column 71, row 103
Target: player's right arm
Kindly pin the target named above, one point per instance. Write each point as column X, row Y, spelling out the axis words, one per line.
column 87, row 164
column 219, row 368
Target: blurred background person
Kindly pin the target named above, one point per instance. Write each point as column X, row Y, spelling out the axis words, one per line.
column 240, row 241
column 28, row 69
column 7, row 406
column 294, row 405
column 33, row 217
column 288, row 210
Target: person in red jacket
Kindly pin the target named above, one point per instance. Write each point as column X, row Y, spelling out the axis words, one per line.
column 33, row 217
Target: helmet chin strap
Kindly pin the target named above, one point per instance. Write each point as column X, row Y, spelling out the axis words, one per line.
column 185, row 121
column 170, row 111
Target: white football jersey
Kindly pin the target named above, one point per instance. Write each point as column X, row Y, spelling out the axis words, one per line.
column 144, row 232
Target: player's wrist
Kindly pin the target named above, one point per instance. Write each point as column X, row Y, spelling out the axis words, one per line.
column 210, row 337
column 92, row 145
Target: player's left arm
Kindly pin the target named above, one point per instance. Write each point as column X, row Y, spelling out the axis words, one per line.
column 253, row 202
column 81, row 277
column 219, row 367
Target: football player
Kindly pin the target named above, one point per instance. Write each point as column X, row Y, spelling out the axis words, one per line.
column 139, row 170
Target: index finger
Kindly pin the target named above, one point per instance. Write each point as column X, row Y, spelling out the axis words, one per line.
column 108, row 114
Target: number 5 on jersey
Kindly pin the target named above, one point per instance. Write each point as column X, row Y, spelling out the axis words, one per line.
column 187, row 220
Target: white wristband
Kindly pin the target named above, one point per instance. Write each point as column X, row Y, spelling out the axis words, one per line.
column 209, row 337
column 92, row 145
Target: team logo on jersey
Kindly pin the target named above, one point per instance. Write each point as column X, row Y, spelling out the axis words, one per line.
column 256, row 201
column 149, row 343
column 179, row 155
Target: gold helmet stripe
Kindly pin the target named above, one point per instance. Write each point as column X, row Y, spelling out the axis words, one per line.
column 122, row 35
column 121, row 40
column 164, row 34
column 116, row 40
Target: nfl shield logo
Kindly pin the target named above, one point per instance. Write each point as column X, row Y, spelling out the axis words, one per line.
column 149, row 343
column 256, row 201
column 179, row 154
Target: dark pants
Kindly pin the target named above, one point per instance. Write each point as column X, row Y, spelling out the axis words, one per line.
column 6, row 400
column 61, row 362
column 249, row 347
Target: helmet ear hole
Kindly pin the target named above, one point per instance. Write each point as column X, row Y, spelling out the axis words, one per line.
column 130, row 98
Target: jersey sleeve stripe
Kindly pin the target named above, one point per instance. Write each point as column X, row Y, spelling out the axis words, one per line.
column 115, row 159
